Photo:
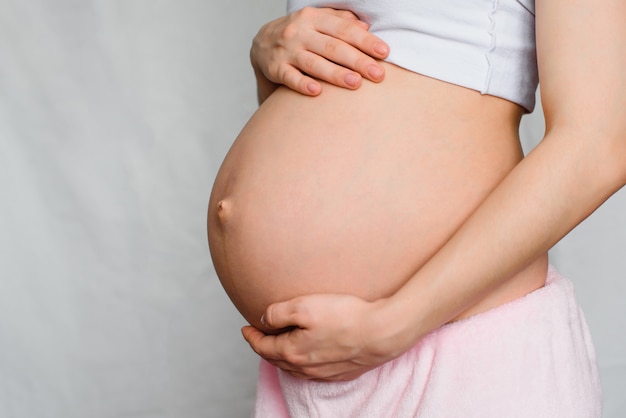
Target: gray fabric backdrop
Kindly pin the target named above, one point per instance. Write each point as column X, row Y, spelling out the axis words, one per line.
column 114, row 118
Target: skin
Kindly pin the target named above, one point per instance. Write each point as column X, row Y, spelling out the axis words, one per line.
column 356, row 206
column 329, row 45
column 578, row 165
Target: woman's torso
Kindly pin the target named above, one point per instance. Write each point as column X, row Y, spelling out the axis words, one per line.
column 353, row 191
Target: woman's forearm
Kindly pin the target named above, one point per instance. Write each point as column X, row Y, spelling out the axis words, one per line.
column 539, row 202
column 578, row 165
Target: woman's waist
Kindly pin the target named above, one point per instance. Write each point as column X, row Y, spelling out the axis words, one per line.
column 405, row 106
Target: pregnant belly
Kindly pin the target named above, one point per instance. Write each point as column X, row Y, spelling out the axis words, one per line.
column 352, row 191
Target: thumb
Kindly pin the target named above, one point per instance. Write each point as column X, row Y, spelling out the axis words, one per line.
column 286, row 315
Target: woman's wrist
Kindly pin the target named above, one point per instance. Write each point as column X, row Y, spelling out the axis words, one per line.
column 395, row 329
column 425, row 302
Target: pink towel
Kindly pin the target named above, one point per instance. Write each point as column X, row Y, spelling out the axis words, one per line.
column 530, row 358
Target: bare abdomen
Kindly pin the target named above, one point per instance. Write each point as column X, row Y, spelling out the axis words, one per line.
column 352, row 191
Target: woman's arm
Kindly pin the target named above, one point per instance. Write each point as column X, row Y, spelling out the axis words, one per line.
column 578, row 165
column 311, row 44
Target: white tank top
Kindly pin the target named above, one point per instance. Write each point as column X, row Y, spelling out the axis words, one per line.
column 484, row 45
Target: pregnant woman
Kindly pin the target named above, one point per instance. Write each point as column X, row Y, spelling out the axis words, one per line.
column 387, row 241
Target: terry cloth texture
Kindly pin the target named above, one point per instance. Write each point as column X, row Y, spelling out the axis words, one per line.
column 529, row 358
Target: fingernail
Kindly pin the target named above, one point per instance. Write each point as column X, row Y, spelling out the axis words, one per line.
column 375, row 71
column 351, row 79
column 313, row 88
column 381, row 49
column 263, row 320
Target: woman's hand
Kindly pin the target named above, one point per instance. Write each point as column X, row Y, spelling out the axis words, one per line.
column 335, row 337
column 325, row 44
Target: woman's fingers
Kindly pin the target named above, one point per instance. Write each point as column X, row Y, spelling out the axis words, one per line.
column 345, row 14
column 294, row 79
column 332, row 60
column 266, row 346
column 327, row 337
column 318, row 44
column 345, row 42
column 299, row 77
column 279, row 351
column 292, row 313
column 353, row 32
